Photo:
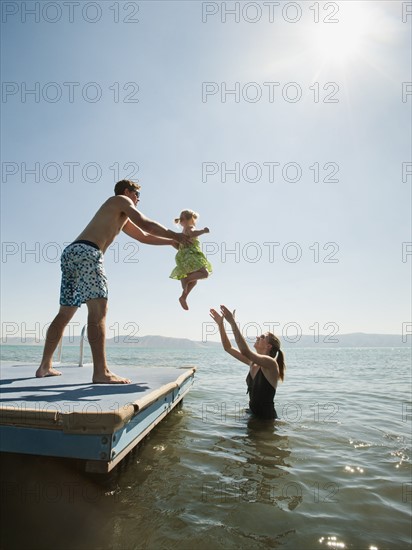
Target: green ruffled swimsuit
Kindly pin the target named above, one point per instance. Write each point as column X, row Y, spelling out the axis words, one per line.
column 189, row 258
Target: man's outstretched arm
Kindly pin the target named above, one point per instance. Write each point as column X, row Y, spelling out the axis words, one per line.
column 136, row 233
column 151, row 227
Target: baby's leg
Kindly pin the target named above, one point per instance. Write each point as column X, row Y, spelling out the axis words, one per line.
column 182, row 298
column 189, row 282
column 196, row 275
column 190, row 286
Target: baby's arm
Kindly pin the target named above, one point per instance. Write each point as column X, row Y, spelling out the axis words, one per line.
column 198, row 232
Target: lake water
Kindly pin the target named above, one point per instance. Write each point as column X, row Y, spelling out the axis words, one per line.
column 333, row 472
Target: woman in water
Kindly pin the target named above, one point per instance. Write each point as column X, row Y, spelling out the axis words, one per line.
column 266, row 364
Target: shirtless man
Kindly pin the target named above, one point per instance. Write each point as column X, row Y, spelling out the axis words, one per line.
column 84, row 279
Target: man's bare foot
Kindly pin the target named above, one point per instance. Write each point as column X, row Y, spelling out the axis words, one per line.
column 183, row 303
column 43, row 372
column 108, row 377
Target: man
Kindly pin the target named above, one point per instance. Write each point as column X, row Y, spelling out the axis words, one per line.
column 84, row 279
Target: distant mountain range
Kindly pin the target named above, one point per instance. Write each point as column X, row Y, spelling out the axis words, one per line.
column 357, row 339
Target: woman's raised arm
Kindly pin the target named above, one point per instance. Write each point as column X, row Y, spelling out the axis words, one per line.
column 264, row 361
column 227, row 346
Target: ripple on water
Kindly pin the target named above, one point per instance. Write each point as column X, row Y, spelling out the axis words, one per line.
column 336, row 467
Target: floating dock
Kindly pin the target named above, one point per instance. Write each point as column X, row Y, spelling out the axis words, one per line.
column 68, row 416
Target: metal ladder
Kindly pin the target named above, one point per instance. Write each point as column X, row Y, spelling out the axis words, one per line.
column 59, row 349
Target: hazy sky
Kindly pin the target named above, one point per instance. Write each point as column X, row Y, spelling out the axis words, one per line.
column 286, row 125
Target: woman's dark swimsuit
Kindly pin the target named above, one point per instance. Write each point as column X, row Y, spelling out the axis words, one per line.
column 261, row 395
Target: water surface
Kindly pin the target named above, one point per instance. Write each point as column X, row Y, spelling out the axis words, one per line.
column 333, row 472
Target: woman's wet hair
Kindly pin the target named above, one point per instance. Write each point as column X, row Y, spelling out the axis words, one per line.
column 122, row 185
column 186, row 215
column 277, row 353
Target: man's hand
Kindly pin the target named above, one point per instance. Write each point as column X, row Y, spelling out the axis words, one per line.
column 182, row 238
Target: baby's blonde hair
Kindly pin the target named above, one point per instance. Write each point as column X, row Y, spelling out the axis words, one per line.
column 186, row 215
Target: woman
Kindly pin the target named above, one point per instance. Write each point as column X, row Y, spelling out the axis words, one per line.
column 267, row 364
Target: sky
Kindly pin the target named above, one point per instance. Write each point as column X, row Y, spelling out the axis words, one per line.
column 285, row 125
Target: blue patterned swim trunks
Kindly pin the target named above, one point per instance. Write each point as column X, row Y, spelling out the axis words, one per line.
column 83, row 276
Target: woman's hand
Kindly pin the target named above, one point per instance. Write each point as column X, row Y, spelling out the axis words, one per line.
column 216, row 317
column 227, row 314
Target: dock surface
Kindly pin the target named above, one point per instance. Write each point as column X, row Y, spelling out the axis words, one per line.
column 69, row 416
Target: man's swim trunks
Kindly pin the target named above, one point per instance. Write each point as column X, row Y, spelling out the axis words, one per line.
column 83, row 276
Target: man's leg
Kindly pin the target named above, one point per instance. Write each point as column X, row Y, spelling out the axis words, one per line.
column 96, row 332
column 54, row 334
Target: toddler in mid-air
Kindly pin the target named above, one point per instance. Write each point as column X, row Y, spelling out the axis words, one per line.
column 191, row 263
